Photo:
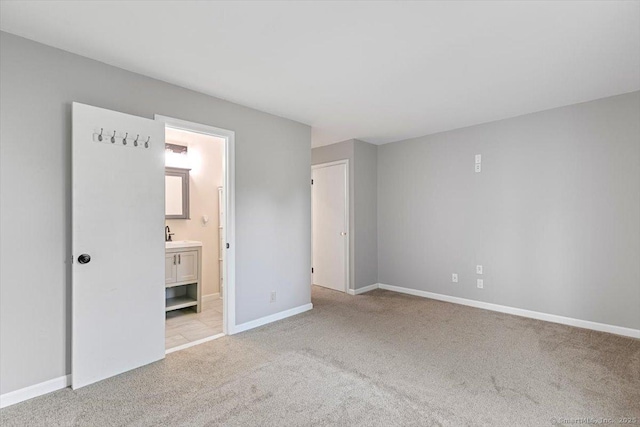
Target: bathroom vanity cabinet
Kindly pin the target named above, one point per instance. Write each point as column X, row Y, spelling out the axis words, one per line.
column 183, row 277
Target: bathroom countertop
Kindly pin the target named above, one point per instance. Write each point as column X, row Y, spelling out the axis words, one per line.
column 182, row 244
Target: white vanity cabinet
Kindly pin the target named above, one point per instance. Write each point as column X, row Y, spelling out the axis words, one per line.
column 170, row 270
column 183, row 277
column 187, row 267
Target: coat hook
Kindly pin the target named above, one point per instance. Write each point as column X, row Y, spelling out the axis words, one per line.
column 113, row 138
column 146, row 144
column 135, row 143
column 100, row 136
column 124, row 140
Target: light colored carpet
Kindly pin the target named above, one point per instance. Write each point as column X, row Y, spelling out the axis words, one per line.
column 380, row 358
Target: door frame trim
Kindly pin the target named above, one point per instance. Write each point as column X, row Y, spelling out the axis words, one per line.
column 229, row 264
column 347, row 213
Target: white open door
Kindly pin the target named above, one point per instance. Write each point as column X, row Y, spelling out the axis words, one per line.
column 118, row 243
column 330, row 224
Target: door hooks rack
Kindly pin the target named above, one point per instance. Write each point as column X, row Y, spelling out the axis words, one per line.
column 120, row 138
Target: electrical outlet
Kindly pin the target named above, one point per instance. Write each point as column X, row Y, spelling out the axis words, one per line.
column 478, row 158
column 273, row 296
column 478, row 269
column 480, row 284
column 454, row 277
column 478, row 168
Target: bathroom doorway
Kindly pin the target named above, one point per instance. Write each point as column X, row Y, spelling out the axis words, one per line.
column 199, row 249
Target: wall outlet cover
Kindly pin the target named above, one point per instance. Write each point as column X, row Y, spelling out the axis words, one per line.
column 478, row 269
column 478, row 158
column 454, row 278
column 273, row 296
column 478, row 168
column 480, row 284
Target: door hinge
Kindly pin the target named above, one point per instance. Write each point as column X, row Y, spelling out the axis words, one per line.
column 311, row 182
column 227, row 246
column 311, row 270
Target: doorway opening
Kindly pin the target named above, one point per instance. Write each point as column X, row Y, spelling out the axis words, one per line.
column 199, row 273
column 330, row 225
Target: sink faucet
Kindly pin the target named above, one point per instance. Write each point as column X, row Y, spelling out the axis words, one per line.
column 167, row 234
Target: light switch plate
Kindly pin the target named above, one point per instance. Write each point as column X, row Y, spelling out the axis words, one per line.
column 478, row 158
column 480, row 283
column 478, row 168
column 478, row 269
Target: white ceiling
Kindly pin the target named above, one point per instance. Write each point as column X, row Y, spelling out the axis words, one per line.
column 376, row 71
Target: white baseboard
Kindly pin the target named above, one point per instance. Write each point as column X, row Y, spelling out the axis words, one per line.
column 211, row 297
column 272, row 318
column 586, row 324
column 35, row 390
column 362, row 290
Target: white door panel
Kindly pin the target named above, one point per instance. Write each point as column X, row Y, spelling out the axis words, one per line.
column 118, row 219
column 330, row 239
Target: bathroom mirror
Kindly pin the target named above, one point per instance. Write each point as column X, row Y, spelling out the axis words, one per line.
column 176, row 198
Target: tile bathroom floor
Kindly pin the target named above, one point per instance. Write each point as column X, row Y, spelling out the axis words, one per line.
column 184, row 326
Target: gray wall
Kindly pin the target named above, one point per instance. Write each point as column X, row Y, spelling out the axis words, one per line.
column 366, row 213
column 363, row 243
column 38, row 84
column 554, row 216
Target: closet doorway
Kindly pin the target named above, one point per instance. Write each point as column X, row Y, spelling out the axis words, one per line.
column 330, row 225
